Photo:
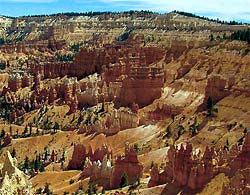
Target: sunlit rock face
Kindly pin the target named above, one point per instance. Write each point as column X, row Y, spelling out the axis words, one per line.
column 129, row 165
column 188, row 168
column 97, row 165
column 13, row 180
column 81, row 153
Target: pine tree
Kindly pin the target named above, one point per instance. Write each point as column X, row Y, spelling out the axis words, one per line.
column 26, row 163
column 10, row 130
column 17, row 133
column 25, row 130
column 136, row 148
column 227, row 146
column 13, row 153
column 56, row 126
column 103, row 190
column 36, row 164
column 211, row 37
column 169, row 131
column 30, row 127
column 124, row 180
column 90, row 189
column 94, row 189
column 42, row 169
column 46, row 190
column 210, row 107
column 46, row 154
column 2, row 135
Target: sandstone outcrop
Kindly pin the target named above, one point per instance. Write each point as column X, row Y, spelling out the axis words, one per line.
column 7, row 140
column 102, row 171
column 13, row 181
column 128, row 164
column 239, row 183
column 27, row 46
column 216, row 88
column 81, row 153
column 186, row 167
column 98, row 171
column 113, row 122
column 133, row 66
column 157, row 177
column 4, row 77
column 17, row 81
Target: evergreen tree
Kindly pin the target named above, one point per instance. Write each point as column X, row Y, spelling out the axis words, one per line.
column 211, row 37
column 136, row 148
column 46, row 153
column 63, row 156
column 241, row 35
column 34, row 120
column 56, row 126
column 2, row 135
column 194, row 127
column 90, row 189
column 39, row 191
column 94, row 189
column 26, row 163
column 10, row 130
column 46, row 190
column 169, row 131
column 103, row 190
column 124, row 180
column 210, row 107
column 13, row 153
column 36, row 164
column 30, row 127
column 227, row 146
column 42, row 169
column 25, row 131
column 17, row 133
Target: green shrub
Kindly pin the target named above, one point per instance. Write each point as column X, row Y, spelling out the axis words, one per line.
column 124, row 180
column 71, row 181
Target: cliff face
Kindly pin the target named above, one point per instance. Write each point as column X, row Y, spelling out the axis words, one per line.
column 70, row 28
column 128, row 165
column 99, row 168
column 80, row 154
column 187, row 167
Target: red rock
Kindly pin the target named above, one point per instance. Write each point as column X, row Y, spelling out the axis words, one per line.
column 7, row 140
column 15, row 82
column 73, row 105
column 129, row 165
column 154, row 177
column 216, row 88
column 242, row 160
column 80, row 154
column 52, row 157
column 52, row 95
column 186, row 169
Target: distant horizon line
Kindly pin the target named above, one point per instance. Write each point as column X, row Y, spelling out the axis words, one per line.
column 96, row 13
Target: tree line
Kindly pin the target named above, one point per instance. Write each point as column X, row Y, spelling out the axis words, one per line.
column 209, row 19
column 91, row 13
column 241, row 35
